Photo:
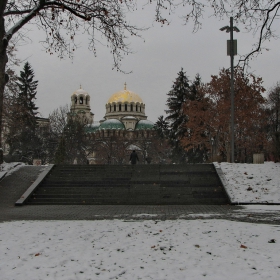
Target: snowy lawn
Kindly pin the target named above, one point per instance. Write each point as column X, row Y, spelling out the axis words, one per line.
column 255, row 183
column 181, row 249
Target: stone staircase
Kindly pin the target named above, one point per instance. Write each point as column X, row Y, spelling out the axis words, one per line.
column 128, row 184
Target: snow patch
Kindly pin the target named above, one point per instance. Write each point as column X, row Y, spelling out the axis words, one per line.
column 252, row 183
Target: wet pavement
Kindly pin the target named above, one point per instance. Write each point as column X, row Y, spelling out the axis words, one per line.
column 14, row 185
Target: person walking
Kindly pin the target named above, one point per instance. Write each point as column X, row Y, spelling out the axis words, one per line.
column 133, row 157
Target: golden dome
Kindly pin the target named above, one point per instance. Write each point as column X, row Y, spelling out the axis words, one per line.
column 125, row 96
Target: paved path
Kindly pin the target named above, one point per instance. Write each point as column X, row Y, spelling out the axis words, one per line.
column 14, row 185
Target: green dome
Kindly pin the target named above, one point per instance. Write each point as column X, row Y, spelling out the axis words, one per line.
column 92, row 127
column 144, row 124
column 112, row 124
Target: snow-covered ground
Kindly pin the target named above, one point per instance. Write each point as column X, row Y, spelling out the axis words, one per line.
column 159, row 250
column 252, row 183
column 8, row 168
column 180, row 249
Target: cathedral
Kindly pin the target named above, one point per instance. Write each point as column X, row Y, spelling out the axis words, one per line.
column 124, row 111
column 124, row 119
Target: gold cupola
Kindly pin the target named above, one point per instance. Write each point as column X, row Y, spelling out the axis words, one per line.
column 126, row 106
column 125, row 96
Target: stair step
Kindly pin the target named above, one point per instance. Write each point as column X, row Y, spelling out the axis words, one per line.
column 127, row 184
column 116, row 201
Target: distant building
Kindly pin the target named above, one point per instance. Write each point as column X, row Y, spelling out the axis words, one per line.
column 124, row 119
column 124, row 112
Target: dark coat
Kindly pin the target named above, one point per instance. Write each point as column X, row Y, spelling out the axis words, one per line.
column 134, row 157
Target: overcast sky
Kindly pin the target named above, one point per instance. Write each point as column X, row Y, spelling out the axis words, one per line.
column 155, row 64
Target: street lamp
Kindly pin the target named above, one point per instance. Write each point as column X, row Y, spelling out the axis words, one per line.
column 231, row 51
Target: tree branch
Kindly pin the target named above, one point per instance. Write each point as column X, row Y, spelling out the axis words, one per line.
column 257, row 49
column 23, row 21
column 17, row 12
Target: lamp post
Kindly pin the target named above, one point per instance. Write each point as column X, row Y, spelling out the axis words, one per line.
column 231, row 51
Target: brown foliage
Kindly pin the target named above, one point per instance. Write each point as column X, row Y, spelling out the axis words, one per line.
column 209, row 116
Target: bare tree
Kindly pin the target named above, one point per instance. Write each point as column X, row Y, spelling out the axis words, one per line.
column 69, row 129
column 112, row 150
column 10, row 91
column 258, row 17
column 154, row 149
column 58, row 120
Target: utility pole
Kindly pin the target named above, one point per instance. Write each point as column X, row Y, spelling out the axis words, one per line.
column 231, row 51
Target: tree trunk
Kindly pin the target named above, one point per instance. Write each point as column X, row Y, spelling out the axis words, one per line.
column 228, row 151
column 3, row 76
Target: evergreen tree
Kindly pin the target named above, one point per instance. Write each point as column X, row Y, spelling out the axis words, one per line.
column 27, row 94
column 180, row 92
column 162, row 128
column 194, row 88
column 22, row 136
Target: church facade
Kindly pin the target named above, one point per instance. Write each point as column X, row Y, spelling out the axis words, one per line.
column 124, row 119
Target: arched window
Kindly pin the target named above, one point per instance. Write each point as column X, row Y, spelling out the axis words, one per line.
column 86, row 101
column 120, row 107
column 76, row 100
column 125, row 107
column 110, row 108
column 115, row 108
column 131, row 107
column 140, row 108
column 136, row 108
column 81, row 100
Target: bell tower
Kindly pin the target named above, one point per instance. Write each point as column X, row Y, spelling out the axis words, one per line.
column 80, row 104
